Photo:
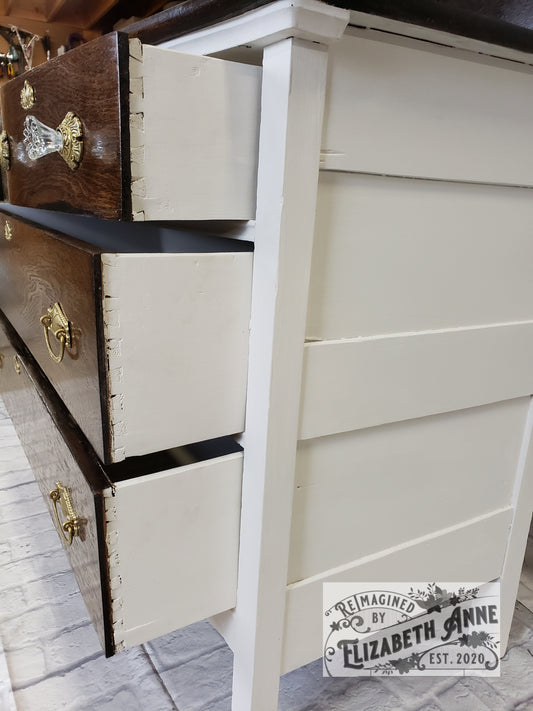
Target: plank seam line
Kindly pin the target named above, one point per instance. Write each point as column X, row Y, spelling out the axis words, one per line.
column 394, row 549
column 410, row 334
column 326, row 153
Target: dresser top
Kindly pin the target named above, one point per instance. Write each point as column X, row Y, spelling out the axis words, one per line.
column 508, row 23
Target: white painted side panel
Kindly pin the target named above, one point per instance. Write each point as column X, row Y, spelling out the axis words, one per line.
column 364, row 382
column 393, row 255
column 473, row 551
column 404, row 107
column 358, row 493
column 173, row 541
column 176, row 330
column 194, row 136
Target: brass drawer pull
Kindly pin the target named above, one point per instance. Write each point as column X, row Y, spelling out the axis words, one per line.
column 66, row 139
column 56, row 322
column 16, row 365
column 73, row 524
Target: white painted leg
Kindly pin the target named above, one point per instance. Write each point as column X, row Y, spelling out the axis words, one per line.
column 294, row 76
column 518, row 534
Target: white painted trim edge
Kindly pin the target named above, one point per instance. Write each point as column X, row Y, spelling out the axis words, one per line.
column 304, row 19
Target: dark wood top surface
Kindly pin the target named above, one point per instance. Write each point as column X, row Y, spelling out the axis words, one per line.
column 503, row 22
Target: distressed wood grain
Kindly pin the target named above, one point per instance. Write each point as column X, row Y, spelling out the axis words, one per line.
column 40, row 268
column 91, row 81
column 61, row 455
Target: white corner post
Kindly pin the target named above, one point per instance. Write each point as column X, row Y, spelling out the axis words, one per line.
column 294, row 78
column 293, row 97
column 294, row 36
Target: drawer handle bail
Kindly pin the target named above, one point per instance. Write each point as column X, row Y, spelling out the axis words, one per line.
column 56, row 322
column 66, row 139
column 73, row 524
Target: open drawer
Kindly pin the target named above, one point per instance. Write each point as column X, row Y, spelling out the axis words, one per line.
column 133, row 132
column 148, row 351
column 153, row 541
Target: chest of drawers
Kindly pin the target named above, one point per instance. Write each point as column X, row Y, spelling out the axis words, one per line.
column 391, row 324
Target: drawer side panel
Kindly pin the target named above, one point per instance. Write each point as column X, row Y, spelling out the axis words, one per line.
column 172, row 541
column 194, row 136
column 176, row 330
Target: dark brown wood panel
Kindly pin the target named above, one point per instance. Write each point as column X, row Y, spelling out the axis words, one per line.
column 91, row 81
column 7, row 371
column 66, row 458
column 39, row 268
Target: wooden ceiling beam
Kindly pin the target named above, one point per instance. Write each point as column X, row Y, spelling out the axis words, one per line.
column 80, row 12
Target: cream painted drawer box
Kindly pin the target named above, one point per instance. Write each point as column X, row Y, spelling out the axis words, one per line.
column 156, row 541
column 160, row 134
column 158, row 341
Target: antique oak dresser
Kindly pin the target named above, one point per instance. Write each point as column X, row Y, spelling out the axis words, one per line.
column 267, row 312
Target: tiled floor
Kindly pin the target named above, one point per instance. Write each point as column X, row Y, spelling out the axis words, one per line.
column 54, row 660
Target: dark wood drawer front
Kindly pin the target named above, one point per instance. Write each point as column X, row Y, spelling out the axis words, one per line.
column 87, row 82
column 37, row 421
column 38, row 269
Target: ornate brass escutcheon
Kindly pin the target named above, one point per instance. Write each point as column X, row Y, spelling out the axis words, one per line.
column 27, row 96
column 73, row 524
column 70, row 129
column 8, row 231
column 55, row 322
column 66, row 139
column 5, row 151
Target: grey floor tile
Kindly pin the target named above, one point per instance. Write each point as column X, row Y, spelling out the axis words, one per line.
column 183, row 645
column 204, row 681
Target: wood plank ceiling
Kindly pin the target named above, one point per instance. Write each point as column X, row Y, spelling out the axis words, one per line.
column 82, row 14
